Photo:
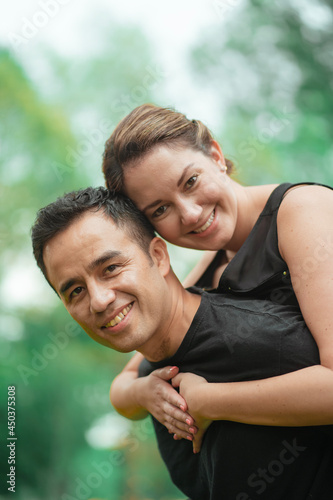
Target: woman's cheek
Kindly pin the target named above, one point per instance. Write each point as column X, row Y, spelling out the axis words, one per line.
column 168, row 228
column 210, row 192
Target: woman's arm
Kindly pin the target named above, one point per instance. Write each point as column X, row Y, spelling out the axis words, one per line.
column 199, row 269
column 301, row 398
column 304, row 397
column 134, row 397
column 122, row 392
column 305, row 231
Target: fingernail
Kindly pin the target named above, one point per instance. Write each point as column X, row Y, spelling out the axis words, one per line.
column 190, row 438
column 191, row 429
column 182, row 407
column 188, row 421
column 172, row 368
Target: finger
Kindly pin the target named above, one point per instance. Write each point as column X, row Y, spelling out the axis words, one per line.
column 174, row 398
column 166, row 373
column 176, row 426
column 176, row 380
column 182, row 430
column 181, row 434
column 177, row 437
column 174, row 415
column 197, row 441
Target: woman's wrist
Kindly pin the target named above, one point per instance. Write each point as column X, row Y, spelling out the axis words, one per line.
column 212, row 401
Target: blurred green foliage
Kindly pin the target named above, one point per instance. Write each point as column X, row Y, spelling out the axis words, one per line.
column 52, row 137
column 270, row 66
column 271, row 73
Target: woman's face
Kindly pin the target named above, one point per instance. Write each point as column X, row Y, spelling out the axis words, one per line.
column 186, row 194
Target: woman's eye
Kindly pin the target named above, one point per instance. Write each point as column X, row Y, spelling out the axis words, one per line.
column 160, row 211
column 192, row 180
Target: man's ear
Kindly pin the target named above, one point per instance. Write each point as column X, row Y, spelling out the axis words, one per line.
column 216, row 153
column 160, row 255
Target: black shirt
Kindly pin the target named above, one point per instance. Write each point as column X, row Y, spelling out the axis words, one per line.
column 236, row 339
column 258, row 270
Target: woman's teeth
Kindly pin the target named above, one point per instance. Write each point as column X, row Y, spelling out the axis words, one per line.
column 205, row 226
column 115, row 321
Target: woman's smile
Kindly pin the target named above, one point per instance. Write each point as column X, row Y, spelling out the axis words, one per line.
column 206, row 225
column 186, row 195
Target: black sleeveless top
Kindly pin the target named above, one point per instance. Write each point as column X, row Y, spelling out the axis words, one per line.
column 258, row 270
column 233, row 454
column 233, row 339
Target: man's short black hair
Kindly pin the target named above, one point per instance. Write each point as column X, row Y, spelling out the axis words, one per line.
column 60, row 214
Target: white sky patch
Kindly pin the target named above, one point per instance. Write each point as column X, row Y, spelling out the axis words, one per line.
column 23, row 286
column 60, row 22
column 109, row 431
column 11, row 328
column 69, row 28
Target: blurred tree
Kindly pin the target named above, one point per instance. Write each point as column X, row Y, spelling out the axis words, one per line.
column 52, row 133
column 97, row 91
column 33, row 134
column 270, row 66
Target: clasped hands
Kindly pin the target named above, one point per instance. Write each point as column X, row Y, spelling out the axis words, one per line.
column 179, row 412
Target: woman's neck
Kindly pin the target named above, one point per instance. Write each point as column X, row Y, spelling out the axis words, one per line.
column 250, row 203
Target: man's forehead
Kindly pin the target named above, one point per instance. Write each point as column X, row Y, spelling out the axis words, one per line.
column 87, row 238
column 95, row 216
column 91, row 229
column 95, row 223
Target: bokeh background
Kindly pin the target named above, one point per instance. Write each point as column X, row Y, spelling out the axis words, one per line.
column 258, row 73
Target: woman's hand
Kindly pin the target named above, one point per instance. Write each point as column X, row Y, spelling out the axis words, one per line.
column 156, row 394
column 190, row 387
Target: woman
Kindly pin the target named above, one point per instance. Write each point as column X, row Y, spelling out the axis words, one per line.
column 274, row 242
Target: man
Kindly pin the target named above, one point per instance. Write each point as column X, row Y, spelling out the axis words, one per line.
column 112, row 273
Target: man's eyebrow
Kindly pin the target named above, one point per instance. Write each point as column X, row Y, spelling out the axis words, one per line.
column 95, row 263
column 181, row 179
column 103, row 258
column 66, row 286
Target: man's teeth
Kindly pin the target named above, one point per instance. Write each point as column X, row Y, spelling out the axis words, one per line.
column 115, row 321
column 205, row 226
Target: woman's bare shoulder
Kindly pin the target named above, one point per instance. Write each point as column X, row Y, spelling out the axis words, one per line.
column 306, row 194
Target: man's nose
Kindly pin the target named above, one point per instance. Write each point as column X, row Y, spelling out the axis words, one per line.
column 101, row 297
column 190, row 213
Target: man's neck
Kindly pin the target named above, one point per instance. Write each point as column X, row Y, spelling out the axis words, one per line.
column 184, row 306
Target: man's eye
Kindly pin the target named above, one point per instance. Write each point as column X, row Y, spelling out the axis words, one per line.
column 76, row 291
column 160, row 211
column 110, row 269
column 192, row 180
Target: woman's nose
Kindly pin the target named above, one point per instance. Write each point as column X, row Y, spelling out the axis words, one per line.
column 190, row 213
column 101, row 297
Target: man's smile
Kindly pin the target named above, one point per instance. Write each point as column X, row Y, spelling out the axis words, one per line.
column 118, row 318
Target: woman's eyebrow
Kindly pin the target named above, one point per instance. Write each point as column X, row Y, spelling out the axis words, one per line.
column 181, row 179
column 151, row 205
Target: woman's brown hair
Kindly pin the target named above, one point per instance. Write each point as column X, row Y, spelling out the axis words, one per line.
column 144, row 128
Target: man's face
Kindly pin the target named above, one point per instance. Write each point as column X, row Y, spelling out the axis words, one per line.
column 109, row 285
